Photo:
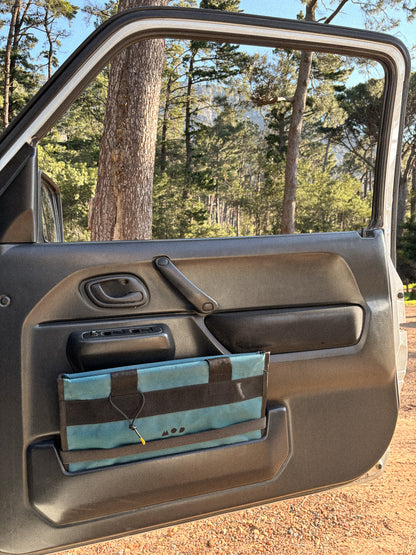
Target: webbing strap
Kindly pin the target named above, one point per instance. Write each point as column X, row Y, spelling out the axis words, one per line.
column 86, row 455
column 179, row 399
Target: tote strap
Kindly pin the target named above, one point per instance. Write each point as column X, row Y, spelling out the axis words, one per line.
column 220, row 369
column 86, row 455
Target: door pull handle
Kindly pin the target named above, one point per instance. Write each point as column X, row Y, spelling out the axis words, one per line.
column 202, row 302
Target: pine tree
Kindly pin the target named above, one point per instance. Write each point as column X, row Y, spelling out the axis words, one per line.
column 21, row 18
column 122, row 205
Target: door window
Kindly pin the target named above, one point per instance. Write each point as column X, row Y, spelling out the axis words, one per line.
column 226, row 161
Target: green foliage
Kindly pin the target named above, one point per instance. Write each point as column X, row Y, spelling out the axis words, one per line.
column 69, row 155
column 380, row 15
column 362, row 103
column 228, row 161
column 328, row 203
column 37, row 23
column 209, row 229
column 408, row 240
column 174, row 215
column 409, row 292
column 409, row 134
column 100, row 11
column 76, row 182
column 26, row 81
column 225, row 5
column 358, row 134
column 328, row 76
column 406, row 250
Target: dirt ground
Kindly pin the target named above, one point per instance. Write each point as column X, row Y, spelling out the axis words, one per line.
column 375, row 518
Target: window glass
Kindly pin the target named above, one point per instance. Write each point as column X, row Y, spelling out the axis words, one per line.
column 229, row 158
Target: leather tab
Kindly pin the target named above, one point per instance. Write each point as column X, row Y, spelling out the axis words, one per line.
column 123, row 383
column 220, row 369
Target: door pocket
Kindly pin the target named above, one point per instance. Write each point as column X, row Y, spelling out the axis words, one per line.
column 88, row 495
column 288, row 330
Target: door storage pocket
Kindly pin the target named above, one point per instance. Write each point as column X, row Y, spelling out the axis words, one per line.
column 151, row 410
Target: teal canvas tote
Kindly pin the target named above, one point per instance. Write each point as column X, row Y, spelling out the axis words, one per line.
column 138, row 412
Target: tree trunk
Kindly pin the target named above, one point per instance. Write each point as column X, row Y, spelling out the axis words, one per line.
column 184, row 219
column 217, row 204
column 402, row 203
column 17, row 6
column 295, row 130
column 282, row 142
column 49, row 38
column 413, row 195
column 166, row 114
column 328, row 143
column 403, row 190
column 122, row 206
column 187, row 131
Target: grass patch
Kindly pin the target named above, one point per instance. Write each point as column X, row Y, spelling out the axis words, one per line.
column 407, row 298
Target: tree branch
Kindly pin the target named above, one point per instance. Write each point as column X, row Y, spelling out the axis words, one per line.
column 354, row 151
column 336, row 12
column 262, row 101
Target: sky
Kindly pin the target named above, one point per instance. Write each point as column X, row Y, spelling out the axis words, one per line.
column 350, row 16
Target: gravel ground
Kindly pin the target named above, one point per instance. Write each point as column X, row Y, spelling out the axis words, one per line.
column 375, row 518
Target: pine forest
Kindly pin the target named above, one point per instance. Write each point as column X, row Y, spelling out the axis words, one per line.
column 224, row 151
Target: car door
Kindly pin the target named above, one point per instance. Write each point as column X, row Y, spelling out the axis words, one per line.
column 326, row 306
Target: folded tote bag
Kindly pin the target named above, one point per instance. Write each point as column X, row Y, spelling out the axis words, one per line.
column 138, row 412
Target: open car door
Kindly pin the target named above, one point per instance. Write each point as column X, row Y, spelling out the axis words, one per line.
column 325, row 306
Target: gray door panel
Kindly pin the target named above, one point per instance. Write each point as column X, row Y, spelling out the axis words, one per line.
column 331, row 409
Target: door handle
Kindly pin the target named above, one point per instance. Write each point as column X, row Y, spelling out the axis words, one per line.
column 200, row 300
column 121, row 290
column 103, row 297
